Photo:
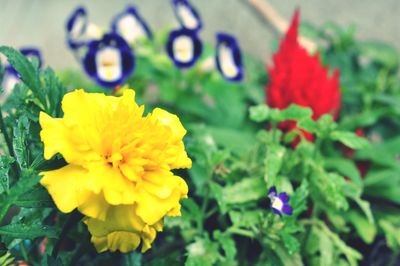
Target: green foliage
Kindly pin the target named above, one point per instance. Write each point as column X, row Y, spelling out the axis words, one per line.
column 238, row 153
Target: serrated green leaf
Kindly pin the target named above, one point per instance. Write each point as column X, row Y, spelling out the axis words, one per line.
column 249, row 189
column 273, row 163
column 19, row 143
column 26, row 70
column 36, row 198
column 5, row 165
column 299, row 198
column 349, row 139
column 31, row 231
column 259, row 113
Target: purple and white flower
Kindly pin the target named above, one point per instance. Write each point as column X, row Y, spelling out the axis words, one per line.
column 109, row 61
column 131, row 26
column 80, row 31
column 228, row 57
column 184, row 47
column 279, row 203
column 187, row 15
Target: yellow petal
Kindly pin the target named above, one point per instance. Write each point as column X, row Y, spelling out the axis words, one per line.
column 116, row 188
column 56, row 137
column 100, row 243
column 64, row 186
column 171, row 121
column 152, row 205
column 123, row 241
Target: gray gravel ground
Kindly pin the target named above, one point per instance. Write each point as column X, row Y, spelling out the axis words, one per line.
column 41, row 22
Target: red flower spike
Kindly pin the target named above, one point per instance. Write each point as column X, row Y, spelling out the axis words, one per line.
column 299, row 78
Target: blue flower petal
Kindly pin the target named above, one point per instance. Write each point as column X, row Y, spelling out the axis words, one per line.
column 284, row 197
column 187, row 15
column 76, row 28
column 228, row 57
column 287, row 209
column 184, row 47
column 130, row 25
column 109, row 61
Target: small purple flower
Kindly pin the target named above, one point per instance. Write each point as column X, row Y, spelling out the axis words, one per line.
column 187, row 15
column 228, row 57
column 130, row 25
column 279, row 203
column 109, row 61
column 79, row 30
column 184, row 47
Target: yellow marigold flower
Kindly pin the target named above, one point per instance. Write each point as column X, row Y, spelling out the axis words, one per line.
column 117, row 158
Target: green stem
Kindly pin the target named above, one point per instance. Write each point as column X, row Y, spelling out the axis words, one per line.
column 242, row 232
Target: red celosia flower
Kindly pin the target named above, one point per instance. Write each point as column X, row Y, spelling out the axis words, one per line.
column 299, row 78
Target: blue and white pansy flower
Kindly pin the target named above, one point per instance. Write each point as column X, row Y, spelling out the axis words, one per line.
column 109, row 61
column 187, row 15
column 184, row 47
column 11, row 77
column 228, row 57
column 80, row 30
column 279, row 203
column 131, row 26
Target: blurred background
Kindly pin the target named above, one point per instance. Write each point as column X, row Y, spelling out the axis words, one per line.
column 41, row 23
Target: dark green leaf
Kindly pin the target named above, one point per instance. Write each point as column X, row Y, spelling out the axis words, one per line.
column 26, row 70
column 5, row 164
column 28, row 231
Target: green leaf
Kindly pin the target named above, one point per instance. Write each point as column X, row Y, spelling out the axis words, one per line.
column 328, row 189
column 326, row 249
column 217, row 193
column 259, row 113
column 36, row 198
column 299, row 198
column 245, row 218
column 380, row 52
column 31, row 231
column 349, row 139
column 227, row 244
column 19, row 144
column 346, row 168
column 294, row 112
column 25, row 69
column 5, row 165
column 249, row 189
column 202, row 252
column 273, row 163
column 291, row 243
column 365, row 229
column 392, row 234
